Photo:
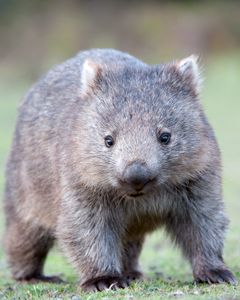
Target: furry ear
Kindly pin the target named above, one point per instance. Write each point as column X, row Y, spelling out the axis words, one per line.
column 91, row 73
column 189, row 69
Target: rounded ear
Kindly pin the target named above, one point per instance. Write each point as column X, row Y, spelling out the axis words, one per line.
column 190, row 71
column 90, row 76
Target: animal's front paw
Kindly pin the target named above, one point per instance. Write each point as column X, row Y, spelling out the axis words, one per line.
column 133, row 275
column 104, row 283
column 218, row 275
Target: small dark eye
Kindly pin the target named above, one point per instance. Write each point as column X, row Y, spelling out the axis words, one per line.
column 164, row 138
column 109, row 142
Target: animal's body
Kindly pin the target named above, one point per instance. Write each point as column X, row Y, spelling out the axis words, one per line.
column 106, row 150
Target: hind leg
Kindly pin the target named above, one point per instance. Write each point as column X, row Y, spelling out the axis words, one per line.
column 27, row 246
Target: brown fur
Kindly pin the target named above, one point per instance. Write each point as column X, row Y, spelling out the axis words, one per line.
column 98, row 201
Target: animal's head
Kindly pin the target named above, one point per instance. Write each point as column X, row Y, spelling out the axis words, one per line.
column 142, row 127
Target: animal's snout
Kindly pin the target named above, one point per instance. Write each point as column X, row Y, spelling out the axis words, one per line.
column 137, row 175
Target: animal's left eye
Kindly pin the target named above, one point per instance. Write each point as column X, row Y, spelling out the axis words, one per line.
column 164, row 138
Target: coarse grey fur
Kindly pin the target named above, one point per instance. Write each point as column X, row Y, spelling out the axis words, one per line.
column 64, row 183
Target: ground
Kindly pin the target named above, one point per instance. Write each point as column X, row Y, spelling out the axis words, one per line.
column 168, row 275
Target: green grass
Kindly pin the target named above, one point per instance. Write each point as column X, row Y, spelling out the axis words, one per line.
column 168, row 275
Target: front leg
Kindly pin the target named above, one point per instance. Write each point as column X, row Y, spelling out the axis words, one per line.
column 198, row 224
column 90, row 237
column 131, row 253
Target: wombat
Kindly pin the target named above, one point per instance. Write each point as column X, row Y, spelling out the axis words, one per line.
column 107, row 149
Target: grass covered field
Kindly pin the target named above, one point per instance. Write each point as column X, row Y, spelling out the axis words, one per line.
column 168, row 275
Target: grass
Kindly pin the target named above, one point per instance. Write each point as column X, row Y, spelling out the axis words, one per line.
column 168, row 275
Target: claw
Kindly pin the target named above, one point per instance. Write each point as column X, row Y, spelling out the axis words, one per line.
column 104, row 283
column 219, row 275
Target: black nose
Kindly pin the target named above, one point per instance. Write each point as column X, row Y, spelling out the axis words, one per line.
column 137, row 175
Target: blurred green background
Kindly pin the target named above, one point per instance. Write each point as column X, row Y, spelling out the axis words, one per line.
column 35, row 35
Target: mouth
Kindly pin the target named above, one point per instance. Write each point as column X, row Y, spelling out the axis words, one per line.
column 136, row 195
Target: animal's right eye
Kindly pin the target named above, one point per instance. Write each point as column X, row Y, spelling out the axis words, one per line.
column 109, row 141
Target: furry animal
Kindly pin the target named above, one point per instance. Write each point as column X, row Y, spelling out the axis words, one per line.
column 107, row 149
